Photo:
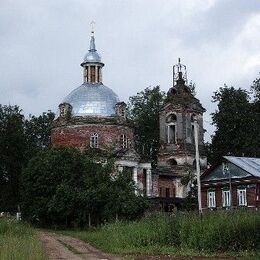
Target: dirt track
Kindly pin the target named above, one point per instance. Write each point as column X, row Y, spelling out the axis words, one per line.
column 65, row 247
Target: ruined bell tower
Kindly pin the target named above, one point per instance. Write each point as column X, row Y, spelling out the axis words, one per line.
column 177, row 142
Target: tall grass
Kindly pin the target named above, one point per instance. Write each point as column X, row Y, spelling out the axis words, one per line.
column 213, row 233
column 19, row 241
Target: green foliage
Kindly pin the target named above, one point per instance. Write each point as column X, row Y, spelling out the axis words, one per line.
column 64, row 187
column 38, row 131
column 185, row 232
column 192, row 87
column 237, row 130
column 19, row 241
column 144, row 111
column 20, row 139
column 12, row 155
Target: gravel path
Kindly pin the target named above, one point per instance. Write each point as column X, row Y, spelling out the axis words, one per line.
column 65, row 247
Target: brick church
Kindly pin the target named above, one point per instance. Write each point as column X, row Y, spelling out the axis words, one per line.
column 92, row 116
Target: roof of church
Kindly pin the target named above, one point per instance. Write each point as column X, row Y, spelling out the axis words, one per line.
column 92, row 100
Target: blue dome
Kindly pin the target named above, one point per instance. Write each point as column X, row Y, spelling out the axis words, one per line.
column 92, row 100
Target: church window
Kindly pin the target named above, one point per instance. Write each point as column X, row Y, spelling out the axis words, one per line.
column 171, row 134
column 172, row 162
column 62, row 111
column 171, row 118
column 98, row 75
column 192, row 133
column 123, row 141
column 122, row 112
column 92, row 74
column 94, row 140
column 167, row 192
column 160, row 192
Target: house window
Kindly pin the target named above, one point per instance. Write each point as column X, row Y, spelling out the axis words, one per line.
column 226, row 198
column 241, row 195
column 123, row 141
column 211, row 199
column 94, row 140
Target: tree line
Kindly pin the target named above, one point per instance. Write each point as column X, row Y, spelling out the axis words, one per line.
column 65, row 186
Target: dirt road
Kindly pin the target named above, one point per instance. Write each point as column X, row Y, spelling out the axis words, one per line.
column 69, row 248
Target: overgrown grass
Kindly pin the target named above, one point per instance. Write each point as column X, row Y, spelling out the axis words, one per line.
column 229, row 233
column 19, row 241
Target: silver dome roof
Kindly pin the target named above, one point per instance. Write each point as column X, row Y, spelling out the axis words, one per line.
column 92, row 55
column 92, row 100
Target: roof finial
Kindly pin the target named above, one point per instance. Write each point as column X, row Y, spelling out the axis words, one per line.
column 92, row 46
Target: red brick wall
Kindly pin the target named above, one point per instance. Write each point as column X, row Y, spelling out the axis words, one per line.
column 79, row 136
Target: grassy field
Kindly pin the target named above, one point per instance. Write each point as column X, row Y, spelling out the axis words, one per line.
column 19, row 241
column 217, row 233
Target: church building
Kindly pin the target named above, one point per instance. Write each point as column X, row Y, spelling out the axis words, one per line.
column 93, row 117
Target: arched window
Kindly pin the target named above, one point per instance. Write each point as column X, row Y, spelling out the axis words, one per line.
column 123, row 141
column 192, row 118
column 171, row 118
column 171, row 123
column 172, row 162
column 94, row 140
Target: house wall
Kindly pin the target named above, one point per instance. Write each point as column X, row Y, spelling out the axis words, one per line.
column 251, row 193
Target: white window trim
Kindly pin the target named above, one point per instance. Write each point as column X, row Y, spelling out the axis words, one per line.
column 211, row 196
column 93, row 140
column 241, row 196
column 124, row 141
column 226, row 199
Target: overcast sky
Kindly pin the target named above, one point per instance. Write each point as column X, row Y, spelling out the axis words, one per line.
column 43, row 42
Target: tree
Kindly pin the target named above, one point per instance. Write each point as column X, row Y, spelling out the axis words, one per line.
column 62, row 186
column 124, row 203
column 144, row 116
column 38, row 131
column 20, row 139
column 235, row 124
column 12, row 155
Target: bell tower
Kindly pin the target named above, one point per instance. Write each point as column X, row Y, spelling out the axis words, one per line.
column 176, row 157
column 92, row 65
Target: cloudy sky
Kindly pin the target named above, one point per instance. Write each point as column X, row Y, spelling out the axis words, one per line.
column 43, row 42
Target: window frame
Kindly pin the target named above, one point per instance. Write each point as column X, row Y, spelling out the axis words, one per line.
column 211, row 199
column 94, row 140
column 226, row 200
column 123, row 141
column 244, row 197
